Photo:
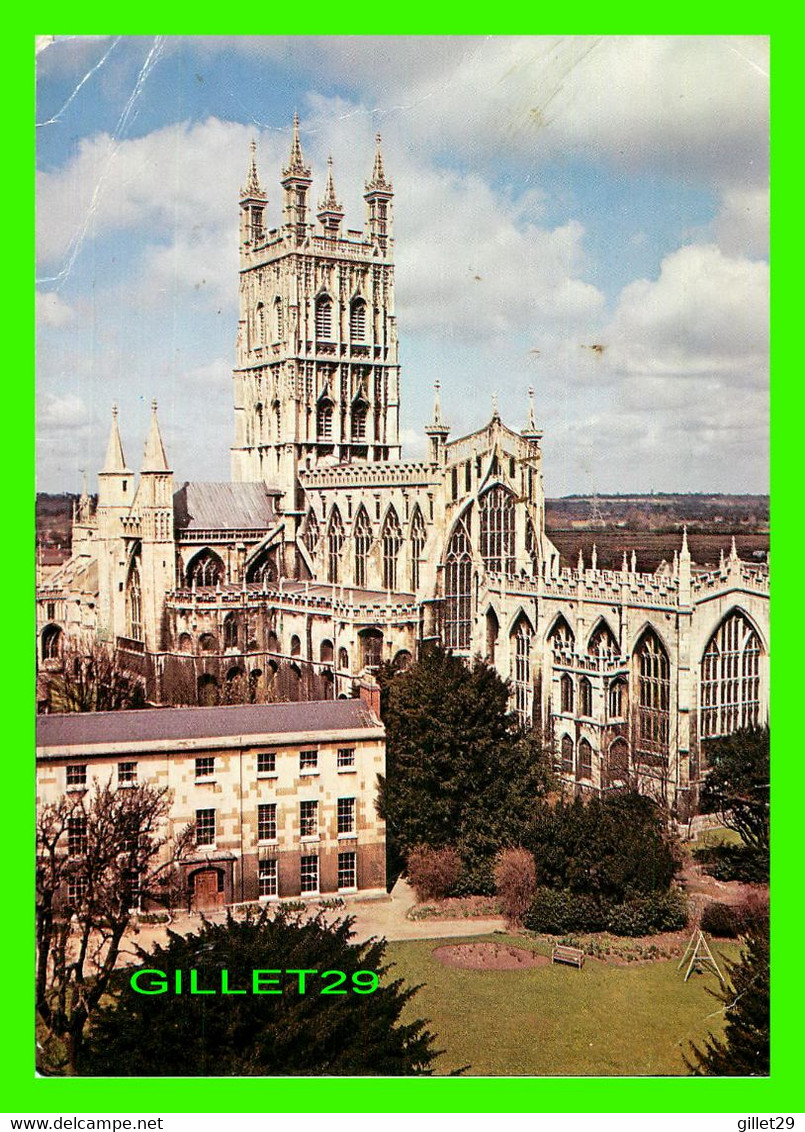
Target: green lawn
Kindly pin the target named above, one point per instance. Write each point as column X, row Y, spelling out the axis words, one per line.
column 556, row 1020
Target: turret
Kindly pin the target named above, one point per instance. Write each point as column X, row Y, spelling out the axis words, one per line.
column 296, row 181
column 531, row 432
column 330, row 212
column 154, row 505
column 378, row 196
column 437, row 430
column 253, row 203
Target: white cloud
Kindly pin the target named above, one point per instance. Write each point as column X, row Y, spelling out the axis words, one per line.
column 52, row 310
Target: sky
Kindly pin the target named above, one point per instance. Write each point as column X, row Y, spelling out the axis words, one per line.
column 551, row 195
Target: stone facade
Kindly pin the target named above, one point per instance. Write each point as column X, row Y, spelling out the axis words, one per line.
column 328, row 554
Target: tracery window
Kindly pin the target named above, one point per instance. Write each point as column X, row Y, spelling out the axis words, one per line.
column 566, row 692
column 362, row 535
column 264, row 569
column 335, row 543
column 392, row 541
column 585, row 759
column 51, row 642
column 567, row 754
column 357, row 321
column 497, row 530
column 457, row 588
column 730, row 679
column 206, row 569
column 603, row 643
column 654, row 694
column 324, row 420
column 616, row 699
column 522, row 672
column 134, row 609
column 585, row 697
column 618, row 762
column 324, row 318
column 561, row 638
column 417, row 546
column 310, row 533
column 359, row 410
column 231, row 631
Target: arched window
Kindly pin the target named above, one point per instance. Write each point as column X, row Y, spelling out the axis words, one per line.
column 616, row 699
column 310, row 532
column 497, row 530
column 51, row 642
column 258, row 424
column 206, row 569
column 371, row 647
column 357, row 321
column 264, row 568
column 279, row 320
column 585, row 759
column 362, row 536
column 343, row 660
column 326, row 652
column 618, row 762
column 417, row 546
column 585, row 697
column 654, row 694
column 457, row 588
column 324, row 419
column 602, row 642
column 521, row 639
column 730, row 679
column 492, row 633
column 324, row 318
column 185, row 642
column 208, row 643
column 567, row 754
column 335, row 543
column 359, row 410
column 260, row 325
column 272, row 642
column 392, row 541
column 561, row 638
column 231, row 631
column 134, row 607
column 207, row 690
column 277, row 412
column 566, row 693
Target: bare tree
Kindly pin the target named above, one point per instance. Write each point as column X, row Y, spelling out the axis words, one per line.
column 98, row 857
column 92, row 678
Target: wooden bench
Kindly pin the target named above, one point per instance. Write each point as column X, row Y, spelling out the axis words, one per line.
column 572, row 955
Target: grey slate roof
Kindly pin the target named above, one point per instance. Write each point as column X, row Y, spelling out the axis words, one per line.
column 165, row 724
column 225, row 506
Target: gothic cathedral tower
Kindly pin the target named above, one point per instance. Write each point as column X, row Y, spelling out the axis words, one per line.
column 317, row 375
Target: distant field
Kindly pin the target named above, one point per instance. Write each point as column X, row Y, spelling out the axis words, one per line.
column 555, row 1021
column 651, row 547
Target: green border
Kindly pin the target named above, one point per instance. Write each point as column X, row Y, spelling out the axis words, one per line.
column 23, row 1092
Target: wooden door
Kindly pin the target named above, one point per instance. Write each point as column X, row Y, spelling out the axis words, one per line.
column 206, row 892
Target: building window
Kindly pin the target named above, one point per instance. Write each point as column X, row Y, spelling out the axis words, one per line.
column 566, row 693
column 371, row 648
column 603, row 643
column 308, row 762
column 562, row 639
column 324, row 318
column 346, row 816
column 51, row 611
column 335, row 543
column 616, row 699
column 357, row 321
column 654, row 695
column 267, row 821
column 205, row 827
column 76, row 888
column 279, row 321
column 324, row 420
column 730, row 679
column 347, row 871
column 618, row 762
column 259, row 319
column 127, row 774
column 362, row 534
column 267, row 878
column 392, row 541
column 51, row 642
column 77, row 835
column 345, row 759
column 360, row 410
column 522, row 672
column 206, row 569
column 309, row 874
column 585, row 759
column 585, row 698
column 205, row 767
column 266, row 762
column 77, row 776
column 310, row 532
column 458, row 582
column 231, row 631
column 308, row 819
column 567, row 754
column 417, row 546
column 497, row 530
column 134, row 612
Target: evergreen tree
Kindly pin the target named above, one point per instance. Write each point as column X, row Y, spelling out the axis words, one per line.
column 737, row 784
column 288, row 1033
column 459, row 769
column 744, row 1050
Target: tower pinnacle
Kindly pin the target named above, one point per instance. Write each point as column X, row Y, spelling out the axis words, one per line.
column 296, row 162
column 115, row 460
column 154, row 458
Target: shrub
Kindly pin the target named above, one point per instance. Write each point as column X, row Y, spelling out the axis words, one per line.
column 555, row 912
column 720, row 919
column 432, row 873
column 643, row 915
column 515, row 882
column 734, row 862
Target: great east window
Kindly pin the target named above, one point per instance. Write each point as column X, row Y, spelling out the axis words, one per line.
column 497, row 530
column 730, row 679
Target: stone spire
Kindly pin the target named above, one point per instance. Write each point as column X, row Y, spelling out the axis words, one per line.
column 115, row 460
column 378, row 178
column 734, row 559
column 296, row 163
column 531, row 432
column 330, row 213
column 437, row 430
column 378, row 197
column 154, row 458
column 252, row 188
column 684, row 555
column 495, row 409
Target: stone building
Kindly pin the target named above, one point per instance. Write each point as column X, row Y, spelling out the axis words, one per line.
column 281, row 796
column 327, row 553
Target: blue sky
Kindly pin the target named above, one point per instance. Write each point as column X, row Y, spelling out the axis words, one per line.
column 551, row 194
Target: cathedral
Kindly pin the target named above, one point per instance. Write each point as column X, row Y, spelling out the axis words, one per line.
column 328, row 554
